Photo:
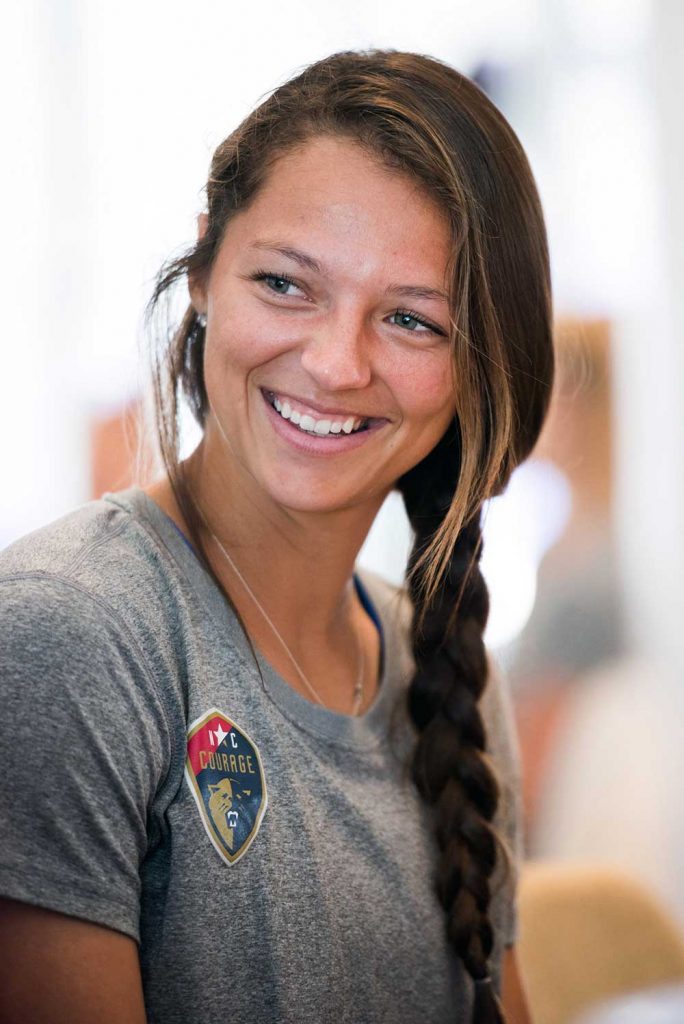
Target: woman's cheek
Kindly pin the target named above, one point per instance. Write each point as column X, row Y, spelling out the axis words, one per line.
column 425, row 383
column 251, row 344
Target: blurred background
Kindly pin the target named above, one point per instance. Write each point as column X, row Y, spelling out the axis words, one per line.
column 111, row 113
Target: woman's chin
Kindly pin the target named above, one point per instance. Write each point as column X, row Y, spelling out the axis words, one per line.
column 323, row 502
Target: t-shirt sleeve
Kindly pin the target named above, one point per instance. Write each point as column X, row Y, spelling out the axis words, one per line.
column 83, row 749
column 504, row 748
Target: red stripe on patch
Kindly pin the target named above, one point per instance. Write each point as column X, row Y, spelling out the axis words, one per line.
column 205, row 740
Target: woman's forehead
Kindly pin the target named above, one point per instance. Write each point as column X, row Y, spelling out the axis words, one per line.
column 334, row 201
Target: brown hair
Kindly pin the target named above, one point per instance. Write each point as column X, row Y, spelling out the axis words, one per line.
column 423, row 118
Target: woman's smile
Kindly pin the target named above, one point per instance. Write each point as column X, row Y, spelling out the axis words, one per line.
column 324, row 436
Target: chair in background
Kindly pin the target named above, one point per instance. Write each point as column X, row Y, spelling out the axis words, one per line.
column 589, row 933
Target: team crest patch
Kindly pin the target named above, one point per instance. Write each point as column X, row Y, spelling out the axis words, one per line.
column 224, row 771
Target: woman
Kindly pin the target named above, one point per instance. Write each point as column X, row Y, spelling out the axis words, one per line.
column 247, row 779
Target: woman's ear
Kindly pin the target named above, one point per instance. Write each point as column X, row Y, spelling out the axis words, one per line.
column 196, row 288
column 198, row 295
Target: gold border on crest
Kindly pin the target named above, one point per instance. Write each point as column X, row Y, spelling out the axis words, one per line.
column 195, row 726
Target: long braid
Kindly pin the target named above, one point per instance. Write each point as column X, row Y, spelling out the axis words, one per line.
column 450, row 767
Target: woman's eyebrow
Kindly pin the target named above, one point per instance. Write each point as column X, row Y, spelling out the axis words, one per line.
column 304, row 260
column 415, row 291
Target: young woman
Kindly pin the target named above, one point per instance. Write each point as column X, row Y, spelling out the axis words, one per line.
column 245, row 780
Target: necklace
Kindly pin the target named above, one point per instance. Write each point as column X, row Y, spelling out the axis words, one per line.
column 358, row 687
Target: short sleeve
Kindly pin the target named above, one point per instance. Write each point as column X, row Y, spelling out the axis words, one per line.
column 504, row 749
column 83, row 748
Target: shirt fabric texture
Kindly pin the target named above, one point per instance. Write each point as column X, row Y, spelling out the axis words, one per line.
column 113, row 640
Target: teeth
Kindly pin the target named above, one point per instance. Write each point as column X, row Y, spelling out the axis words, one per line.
column 313, row 426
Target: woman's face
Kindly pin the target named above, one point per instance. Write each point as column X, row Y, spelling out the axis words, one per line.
column 326, row 309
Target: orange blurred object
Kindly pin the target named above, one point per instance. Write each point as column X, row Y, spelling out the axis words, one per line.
column 119, row 455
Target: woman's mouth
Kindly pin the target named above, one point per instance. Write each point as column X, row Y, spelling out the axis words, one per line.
column 321, row 433
column 320, row 426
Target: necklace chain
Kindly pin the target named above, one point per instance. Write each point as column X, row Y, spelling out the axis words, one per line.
column 358, row 687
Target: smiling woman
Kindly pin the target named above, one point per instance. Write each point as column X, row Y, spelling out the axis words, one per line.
column 227, row 705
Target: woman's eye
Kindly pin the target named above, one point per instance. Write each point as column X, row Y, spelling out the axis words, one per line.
column 412, row 322
column 277, row 283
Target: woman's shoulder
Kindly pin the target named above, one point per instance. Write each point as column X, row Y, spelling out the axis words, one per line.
column 98, row 586
column 113, row 531
column 101, row 553
column 49, row 577
column 58, row 546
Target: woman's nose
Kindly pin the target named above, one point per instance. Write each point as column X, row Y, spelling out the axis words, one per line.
column 337, row 354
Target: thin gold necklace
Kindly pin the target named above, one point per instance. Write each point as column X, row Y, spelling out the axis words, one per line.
column 358, row 687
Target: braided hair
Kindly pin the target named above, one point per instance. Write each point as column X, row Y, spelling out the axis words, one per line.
column 450, row 767
column 423, row 119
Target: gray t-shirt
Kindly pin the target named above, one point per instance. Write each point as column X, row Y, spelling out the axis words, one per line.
column 271, row 857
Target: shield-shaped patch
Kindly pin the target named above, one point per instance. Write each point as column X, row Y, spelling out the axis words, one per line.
column 224, row 771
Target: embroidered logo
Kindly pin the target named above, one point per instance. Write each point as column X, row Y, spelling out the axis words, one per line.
column 224, row 771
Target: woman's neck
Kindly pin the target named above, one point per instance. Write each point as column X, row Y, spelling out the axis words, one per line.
column 299, row 563
column 300, row 569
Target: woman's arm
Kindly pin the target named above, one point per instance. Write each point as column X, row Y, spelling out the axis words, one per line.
column 83, row 746
column 513, row 993
column 56, row 969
